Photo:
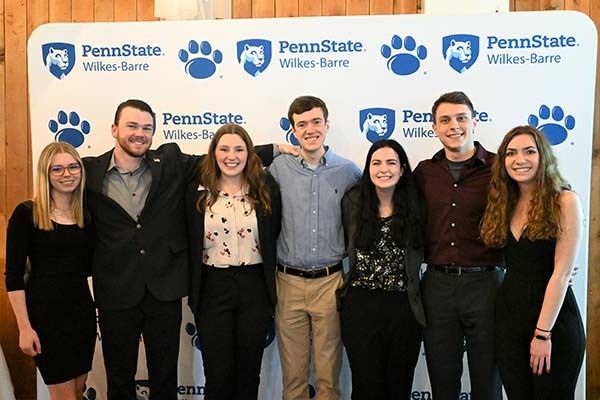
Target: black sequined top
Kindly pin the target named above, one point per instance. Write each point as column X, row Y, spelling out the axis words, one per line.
column 382, row 267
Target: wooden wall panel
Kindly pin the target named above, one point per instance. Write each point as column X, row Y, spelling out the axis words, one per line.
column 125, row 10
column 308, row 8
column 334, row 7
column 241, row 8
column 59, row 10
column 550, row 5
column 263, row 8
column 357, row 7
column 527, row 5
column 37, row 14
column 578, row 5
column 381, row 7
column 286, row 8
column 82, row 11
column 406, row 6
column 104, row 10
column 145, row 10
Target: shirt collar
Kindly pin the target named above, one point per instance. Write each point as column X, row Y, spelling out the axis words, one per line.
column 324, row 161
column 481, row 156
column 113, row 165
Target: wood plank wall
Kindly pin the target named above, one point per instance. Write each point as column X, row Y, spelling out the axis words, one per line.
column 18, row 18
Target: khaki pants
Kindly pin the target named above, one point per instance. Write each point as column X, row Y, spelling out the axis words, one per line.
column 305, row 306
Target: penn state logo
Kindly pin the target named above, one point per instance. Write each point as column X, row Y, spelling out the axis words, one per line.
column 59, row 58
column 460, row 51
column 254, row 55
column 377, row 123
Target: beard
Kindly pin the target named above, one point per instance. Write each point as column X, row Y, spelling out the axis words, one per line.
column 130, row 146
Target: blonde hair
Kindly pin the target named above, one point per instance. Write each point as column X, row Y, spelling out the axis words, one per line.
column 544, row 210
column 42, row 200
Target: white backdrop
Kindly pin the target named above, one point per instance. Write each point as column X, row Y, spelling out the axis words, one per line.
column 518, row 68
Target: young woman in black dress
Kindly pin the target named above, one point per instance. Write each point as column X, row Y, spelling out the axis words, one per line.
column 538, row 221
column 54, row 309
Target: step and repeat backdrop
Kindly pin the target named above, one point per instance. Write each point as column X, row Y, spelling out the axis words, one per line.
column 378, row 75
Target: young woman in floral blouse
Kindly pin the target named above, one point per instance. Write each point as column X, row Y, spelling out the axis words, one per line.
column 234, row 217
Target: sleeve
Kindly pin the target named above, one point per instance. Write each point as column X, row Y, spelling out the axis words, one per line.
column 191, row 165
column 265, row 153
column 18, row 239
column 275, row 204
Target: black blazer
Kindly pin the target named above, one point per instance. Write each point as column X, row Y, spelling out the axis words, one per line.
column 150, row 253
column 268, row 230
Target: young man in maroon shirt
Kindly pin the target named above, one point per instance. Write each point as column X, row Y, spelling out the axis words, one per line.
column 463, row 276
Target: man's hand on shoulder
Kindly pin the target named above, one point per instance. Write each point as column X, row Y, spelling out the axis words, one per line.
column 284, row 148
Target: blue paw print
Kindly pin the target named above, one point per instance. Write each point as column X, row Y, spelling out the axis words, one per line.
column 556, row 129
column 285, row 124
column 69, row 128
column 403, row 63
column 190, row 329
column 203, row 66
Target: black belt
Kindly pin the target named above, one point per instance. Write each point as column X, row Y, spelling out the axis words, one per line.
column 310, row 273
column 460, row 269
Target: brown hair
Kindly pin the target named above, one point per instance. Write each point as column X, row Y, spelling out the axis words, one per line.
column 544, row 210
column 253, row 175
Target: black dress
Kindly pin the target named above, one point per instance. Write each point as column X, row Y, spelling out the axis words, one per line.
column 529, row 267
column 59, row 303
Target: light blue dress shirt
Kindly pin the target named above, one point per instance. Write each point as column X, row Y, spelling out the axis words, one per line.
column 312, row 236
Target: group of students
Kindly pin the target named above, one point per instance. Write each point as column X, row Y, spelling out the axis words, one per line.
column 245, row 242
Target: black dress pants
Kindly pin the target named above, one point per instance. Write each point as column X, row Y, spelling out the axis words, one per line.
column 459, row 307
column 159, row 323
column 382, row 340
column 232, row 324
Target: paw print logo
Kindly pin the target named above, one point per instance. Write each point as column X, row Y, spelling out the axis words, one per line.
column 403, row 62
column 190, row 329
column 69, row 128
column 200, row 59
column 89, row 394
column 286, row 126
column 552, row 123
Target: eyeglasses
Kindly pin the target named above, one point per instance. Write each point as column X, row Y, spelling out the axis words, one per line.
column 59, row 170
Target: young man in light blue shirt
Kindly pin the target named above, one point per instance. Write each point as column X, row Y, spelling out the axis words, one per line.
column 310, row 250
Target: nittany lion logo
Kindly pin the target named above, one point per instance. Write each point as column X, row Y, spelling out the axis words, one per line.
column 460, row 51
column 377, row 123
column 59, row 58
column 254, row 55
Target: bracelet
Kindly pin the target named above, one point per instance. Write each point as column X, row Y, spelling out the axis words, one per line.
column 542, row 337
column 543, row 330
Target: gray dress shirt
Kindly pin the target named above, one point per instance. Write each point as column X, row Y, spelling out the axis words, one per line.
column 128, row 188
column 312, row 235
